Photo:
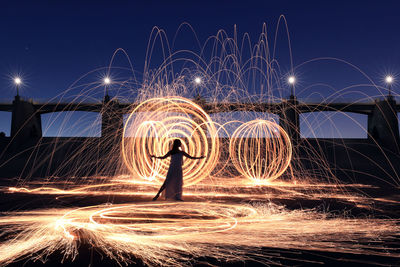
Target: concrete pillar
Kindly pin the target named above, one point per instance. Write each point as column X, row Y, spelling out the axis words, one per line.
column 199, row 100
column 289, row 118
column 26, row 124
column 383, row 126
column 112, row 121
column 111, row 136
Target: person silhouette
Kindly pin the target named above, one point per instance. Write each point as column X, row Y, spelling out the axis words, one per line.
column 174, row 181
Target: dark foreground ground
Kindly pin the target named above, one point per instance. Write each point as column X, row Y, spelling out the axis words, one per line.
column 88, row 256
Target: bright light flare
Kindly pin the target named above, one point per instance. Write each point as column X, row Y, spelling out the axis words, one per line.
column 260, row 150
column 17, row 80
column 106, row 80
column 292, row 80
column 389, row 79
column 197, row 80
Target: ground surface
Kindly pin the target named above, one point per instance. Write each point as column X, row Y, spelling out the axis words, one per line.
column 293, row 224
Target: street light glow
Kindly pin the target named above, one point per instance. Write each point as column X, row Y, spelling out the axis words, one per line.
column 292, row 80
column 17, row 80
column 389, row 79
column 197, row 80
column 107, row 80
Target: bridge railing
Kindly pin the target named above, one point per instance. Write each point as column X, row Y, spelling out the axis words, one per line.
column 316, row 101
column 306, row 100
column 343, row 100
column 9, row 100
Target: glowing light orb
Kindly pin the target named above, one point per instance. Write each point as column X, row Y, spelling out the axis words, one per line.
column 197, row 80
column 150, row 130
column 17, row 80
column 260, row 150
column 107, row 80
column 292, row 80
column 389, row 79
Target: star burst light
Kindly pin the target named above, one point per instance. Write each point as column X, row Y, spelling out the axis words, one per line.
column 17, row 80
column 389, row 79
column 107, row 80
column 292, row 80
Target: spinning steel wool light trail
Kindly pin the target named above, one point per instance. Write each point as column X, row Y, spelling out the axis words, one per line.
column 260, row 150
column 152, row 126
column 172, row 233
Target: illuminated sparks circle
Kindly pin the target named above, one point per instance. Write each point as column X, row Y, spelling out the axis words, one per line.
column 171, row 219
column 150, row 130
column 260, row 150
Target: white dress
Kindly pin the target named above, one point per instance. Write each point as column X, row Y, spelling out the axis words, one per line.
column 174, row 180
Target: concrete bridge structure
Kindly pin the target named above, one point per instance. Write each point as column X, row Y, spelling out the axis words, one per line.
column 382, row 115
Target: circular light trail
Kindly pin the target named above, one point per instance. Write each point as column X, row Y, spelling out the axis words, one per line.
column 150, row 130
column 260, row 150
column 172, row 219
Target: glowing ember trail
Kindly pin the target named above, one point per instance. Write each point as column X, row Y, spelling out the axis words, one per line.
column 150, row 129
column 260, row 150
column 169, row 233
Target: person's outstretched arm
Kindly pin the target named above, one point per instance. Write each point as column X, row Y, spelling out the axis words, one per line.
column 190, row 157
column 163, row 157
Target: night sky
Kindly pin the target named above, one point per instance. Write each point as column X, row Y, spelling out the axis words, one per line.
column 52, row 43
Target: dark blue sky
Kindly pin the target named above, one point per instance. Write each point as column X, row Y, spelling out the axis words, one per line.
column 53, row 43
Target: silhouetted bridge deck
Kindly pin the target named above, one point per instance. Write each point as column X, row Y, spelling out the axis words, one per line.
column 382, row 114
column 361, row 108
